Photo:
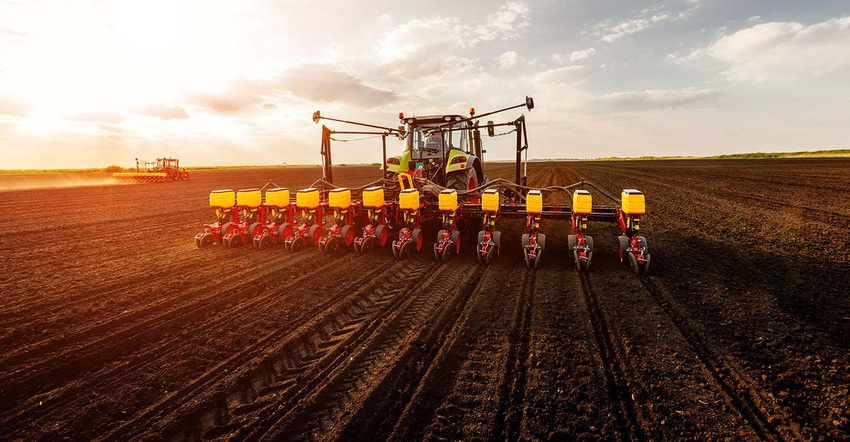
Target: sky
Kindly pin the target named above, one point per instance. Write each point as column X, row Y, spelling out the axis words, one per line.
column 93, row 83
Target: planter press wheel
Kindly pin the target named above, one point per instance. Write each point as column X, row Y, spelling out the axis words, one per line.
column 524, row 244
column 315, row 234
column 367, row 245
column 330, row 246
column 418, row 239
column 347, row 235
column 456, row 240
column 541, row 241
column 225, row 229
column 478, row 247
column 404, row 252
column 496, row 238
column 264, row 242
column 624, row 247
column 205, row 240
column 382, row 234
column 297, row 244
column 234, row 241
column 254, row 231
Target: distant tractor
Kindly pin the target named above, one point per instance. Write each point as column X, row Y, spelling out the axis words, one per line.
column 163, row 170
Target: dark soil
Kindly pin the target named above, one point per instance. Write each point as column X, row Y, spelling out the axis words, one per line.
column 114, row 326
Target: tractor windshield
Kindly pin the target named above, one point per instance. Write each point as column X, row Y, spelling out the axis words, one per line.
column 430, row 144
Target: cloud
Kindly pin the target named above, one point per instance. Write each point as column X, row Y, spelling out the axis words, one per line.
column 610, row 31
column 581, row 55
column 563, row 76
column 508, row 60
column 163, row 111
column 655, row 99
column 238, row 95
column 507, row 23
column 431, row 47
column 14, row 106
column 326, row 83
column 779, row 51
column 98, row 117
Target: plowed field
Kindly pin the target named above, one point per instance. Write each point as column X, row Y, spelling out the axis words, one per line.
column 114, row 326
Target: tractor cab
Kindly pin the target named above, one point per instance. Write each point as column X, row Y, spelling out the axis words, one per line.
column 435, row 148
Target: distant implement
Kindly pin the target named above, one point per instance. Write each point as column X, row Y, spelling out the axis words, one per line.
column 163, row 170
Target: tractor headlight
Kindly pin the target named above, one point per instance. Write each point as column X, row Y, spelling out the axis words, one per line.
column 395, row 161
column 459, row 159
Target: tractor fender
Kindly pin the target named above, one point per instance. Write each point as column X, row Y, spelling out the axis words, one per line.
column 472, row 162
column 398, row 164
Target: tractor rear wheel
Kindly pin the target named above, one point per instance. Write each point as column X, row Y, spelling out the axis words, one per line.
column 462, row 180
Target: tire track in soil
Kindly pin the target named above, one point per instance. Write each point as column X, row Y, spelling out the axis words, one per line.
column 106, row 338
column 761, row 413
column 240, row 296
column 509, row 416
column 233, row 398
column 614, row 366
column 365, row 382
column 473, row 387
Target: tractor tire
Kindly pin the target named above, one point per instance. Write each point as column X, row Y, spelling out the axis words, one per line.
column 462, row 180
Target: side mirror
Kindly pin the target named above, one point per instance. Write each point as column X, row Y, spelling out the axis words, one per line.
column 490, row 129
column 401, row 133
column 317, row 116
column 529, row 103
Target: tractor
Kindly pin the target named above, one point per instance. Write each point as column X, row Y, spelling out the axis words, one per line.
column 163, row 170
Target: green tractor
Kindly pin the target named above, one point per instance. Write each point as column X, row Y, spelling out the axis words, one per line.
column 444, row 149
